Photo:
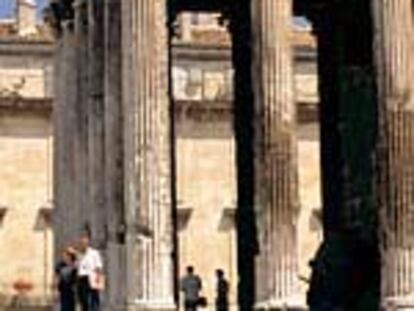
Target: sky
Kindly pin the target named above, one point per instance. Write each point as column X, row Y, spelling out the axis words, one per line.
column 7, row 7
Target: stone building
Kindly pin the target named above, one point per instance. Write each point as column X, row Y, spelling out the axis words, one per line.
column 203, row 97
column 116, row 173
column 205, row 156
column 162, row 187
column 27, row 91
column 151, row 224
column 26, row 140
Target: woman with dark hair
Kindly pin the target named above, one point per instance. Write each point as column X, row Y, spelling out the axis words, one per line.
column 66, row 279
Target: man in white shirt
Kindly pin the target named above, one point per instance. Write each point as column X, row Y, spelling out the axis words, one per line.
column 90, row 273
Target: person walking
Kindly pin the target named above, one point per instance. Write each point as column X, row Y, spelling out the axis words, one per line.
column 90, row 275
column 65, row 272
column 191, row 286
column 222, row 291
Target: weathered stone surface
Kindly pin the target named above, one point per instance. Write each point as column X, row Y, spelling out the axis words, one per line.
column 348, row 121
column 114, row 165
column 80, row 133
column 393, row 47
column 25, row 189
column 277, row 200
column 64, row 172
column 96, row 121
column 148, row 137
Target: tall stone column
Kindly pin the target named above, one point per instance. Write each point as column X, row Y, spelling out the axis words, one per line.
column 276, row 148
column 148, row 154
column 58, row 147
column 393, row 48
column 347, row 110
column 80, row 133
column 114, row 164
column 96, row 122
column 64, row 172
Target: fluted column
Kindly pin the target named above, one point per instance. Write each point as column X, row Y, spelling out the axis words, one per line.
column 80, row 132
column 96, row 128
column 276, row 147
column 393, row 48
column 64, row 153
column 147, row 153
column 59, row 169
column 347, row 110
column 114, row 166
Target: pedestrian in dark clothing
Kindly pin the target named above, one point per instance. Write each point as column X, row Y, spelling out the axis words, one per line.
column 66, row 274
column 222, row 289
column 191, row 286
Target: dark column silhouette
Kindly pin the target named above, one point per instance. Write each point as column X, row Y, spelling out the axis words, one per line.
column 346, row 267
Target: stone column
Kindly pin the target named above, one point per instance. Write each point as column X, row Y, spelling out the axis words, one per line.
column 347, row 110
column 80, row 133
column 96, row 124
column 393, row 48
column 114, row 152
column 58, row 146
column 276, row 147
column 148, row 154
column 64, row 172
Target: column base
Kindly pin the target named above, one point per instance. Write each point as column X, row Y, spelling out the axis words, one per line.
column 405, row 303
column 290, row 304
column 151, row 305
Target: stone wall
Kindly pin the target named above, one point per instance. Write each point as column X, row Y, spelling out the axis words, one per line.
column 206, row 166
column 207, row 199
column 25, row 195
column 27, row 75
column 207, row 194
column 26, row 80
column 309, row 222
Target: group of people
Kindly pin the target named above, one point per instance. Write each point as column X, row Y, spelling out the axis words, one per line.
column 191, row 286
column 80, row 280
column 79, row 277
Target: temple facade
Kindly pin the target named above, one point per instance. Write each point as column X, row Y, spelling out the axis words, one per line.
column 122, row 149
column 202, row 93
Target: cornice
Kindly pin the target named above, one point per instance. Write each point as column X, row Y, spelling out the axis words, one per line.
column 23, row 48
column 18, row 104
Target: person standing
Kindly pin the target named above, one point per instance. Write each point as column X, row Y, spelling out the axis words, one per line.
column 90, row 275
column 191, row 286
column 222, row 289
column 65, row 271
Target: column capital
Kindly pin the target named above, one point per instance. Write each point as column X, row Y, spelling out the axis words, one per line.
column 155, row 305
column 56, row 13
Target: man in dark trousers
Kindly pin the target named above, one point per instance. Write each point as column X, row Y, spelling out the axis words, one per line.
column 222, row 289
column 191, row 286
column 90, row 273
